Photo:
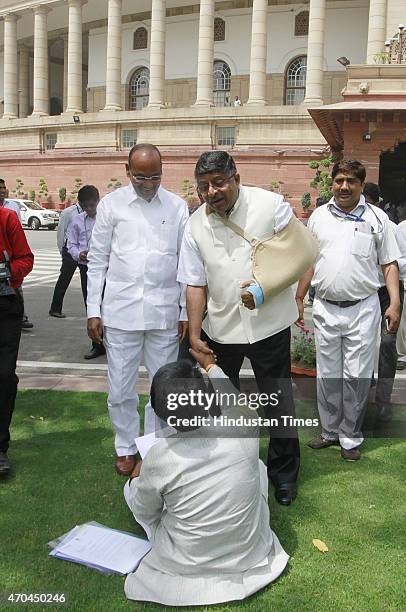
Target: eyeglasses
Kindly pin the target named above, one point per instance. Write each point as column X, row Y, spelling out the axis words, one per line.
column 142, row 179
column 217, row 183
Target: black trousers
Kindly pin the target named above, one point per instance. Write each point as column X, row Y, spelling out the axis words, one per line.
column 11, row 316
column 388, row 354
column 270, row 361
column 66, row 272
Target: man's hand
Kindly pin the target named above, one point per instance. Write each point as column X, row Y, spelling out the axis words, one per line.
column 136, row 470
column 95, row 329
column 392, row 316
column 199, row 346
column 247, row 298
column 83, row 255
column 203, row 359
column 182, row 330
column 300, row 308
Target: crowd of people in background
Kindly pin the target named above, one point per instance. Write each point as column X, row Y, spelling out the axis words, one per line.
column 156, row 278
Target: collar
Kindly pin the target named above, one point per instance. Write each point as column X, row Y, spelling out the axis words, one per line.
column 355, row 214
column 133, row 198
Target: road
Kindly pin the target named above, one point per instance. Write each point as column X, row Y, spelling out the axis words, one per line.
column 57, row 341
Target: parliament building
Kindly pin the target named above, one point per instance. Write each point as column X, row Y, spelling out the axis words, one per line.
column 82, row 81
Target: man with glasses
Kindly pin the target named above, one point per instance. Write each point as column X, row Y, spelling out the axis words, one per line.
column 216, row 264
column 133, row 256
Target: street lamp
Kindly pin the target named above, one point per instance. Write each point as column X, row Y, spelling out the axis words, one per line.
column 400, row 43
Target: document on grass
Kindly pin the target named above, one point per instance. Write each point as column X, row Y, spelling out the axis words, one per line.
column 104, row 548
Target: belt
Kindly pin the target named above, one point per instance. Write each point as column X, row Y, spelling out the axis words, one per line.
column 344, row 304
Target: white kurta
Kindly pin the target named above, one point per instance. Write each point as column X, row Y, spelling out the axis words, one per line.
column 206, row 503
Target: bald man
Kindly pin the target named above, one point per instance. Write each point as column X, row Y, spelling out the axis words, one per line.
column 134, row 299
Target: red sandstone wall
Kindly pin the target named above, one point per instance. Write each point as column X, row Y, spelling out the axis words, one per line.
column 255, row 167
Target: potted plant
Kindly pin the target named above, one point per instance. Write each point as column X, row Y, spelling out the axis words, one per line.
column 303, row 354
column 189, row 194
column 62, row 196
column 306, row 202
column 303, row 368
column 114, row 184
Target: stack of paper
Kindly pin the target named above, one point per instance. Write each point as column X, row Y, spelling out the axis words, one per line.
column 101, row 548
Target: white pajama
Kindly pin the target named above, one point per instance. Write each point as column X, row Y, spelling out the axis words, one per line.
column 345, row 348
column 124, row 351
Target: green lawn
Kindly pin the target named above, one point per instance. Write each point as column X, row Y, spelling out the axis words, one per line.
column 62, row 454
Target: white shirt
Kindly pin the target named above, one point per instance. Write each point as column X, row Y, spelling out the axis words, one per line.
column 351, row 251
column 213, row 255
column 65, row 220
column 401, row 242
column 134, row 253
column 13, row 205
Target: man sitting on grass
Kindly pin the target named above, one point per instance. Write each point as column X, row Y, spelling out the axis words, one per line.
column 203, row 502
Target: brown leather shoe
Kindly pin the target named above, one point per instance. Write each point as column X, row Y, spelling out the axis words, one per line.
column 320, row 442
column 350, row 455
column 125, row 465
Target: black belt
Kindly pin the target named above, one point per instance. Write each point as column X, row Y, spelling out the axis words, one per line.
column 344, row 304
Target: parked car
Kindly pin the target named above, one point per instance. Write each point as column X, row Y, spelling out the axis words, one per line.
column 34, row 216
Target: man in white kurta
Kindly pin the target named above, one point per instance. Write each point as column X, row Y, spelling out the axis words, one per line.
column 355, row 238
column 133, row 294
column 203, row 502
column 214, row 263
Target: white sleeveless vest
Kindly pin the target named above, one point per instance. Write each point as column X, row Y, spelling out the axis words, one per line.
column 227, row 262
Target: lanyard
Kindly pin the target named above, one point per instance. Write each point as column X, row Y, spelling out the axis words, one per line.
column 342, row 214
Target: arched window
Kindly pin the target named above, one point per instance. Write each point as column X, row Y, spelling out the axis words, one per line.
column 140, row 39
column 296, row 81
column 139, row 89
column 221, row 83
column 219, row 29
column 302, row 24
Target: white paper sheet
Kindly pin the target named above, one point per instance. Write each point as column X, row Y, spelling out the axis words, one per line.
column 104, row 548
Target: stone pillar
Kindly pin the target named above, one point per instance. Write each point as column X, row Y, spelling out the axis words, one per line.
column 315, row 53
column 10, row 67
column 157, row 55
column 41, row 69
column 396, row 14
column 65, row 71
column 113, row 72
column 376, row 29
column 206, row 54
column 74, row 102
column 23, row 82
column 259, row 43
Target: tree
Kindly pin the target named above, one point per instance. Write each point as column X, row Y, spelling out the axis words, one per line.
column 43, row 188
column 322, row 180
column 306, row 201
column 31, row 194
column 18, row 192
column 76, row 186
column 188, row 192
column 114, row 184
column 62, row 194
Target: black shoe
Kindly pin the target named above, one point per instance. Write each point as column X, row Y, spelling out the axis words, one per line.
column 320, row 442
column 401, row 365
column 350, row 455
column 285, row 493
column 385, row 413
column 57, row 315
column 4, row 464
column 95, row 351
column 26, row 324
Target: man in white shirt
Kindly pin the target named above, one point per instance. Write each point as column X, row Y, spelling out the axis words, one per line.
column 215, row 263
column 133, row 260
column 69, row 265
column 387, row 349
column 355, row 238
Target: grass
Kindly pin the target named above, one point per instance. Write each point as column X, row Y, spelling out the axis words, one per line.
column 62, row 454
